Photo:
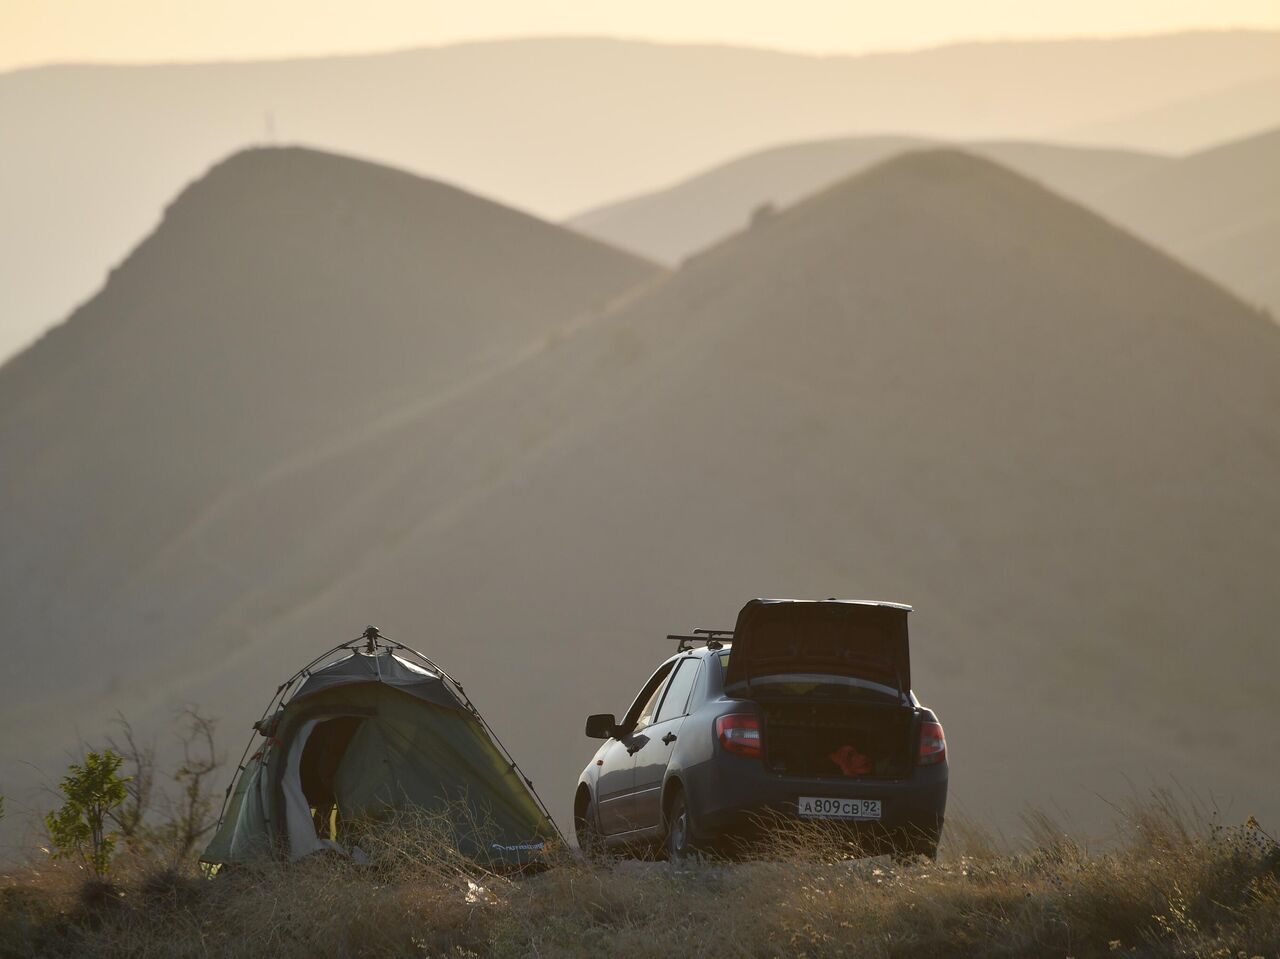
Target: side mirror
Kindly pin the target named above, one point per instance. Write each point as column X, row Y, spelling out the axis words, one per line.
column 601, row 726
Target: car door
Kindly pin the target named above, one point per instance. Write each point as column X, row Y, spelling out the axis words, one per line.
column 615, row 782
column 614, row 785
column 659, row 741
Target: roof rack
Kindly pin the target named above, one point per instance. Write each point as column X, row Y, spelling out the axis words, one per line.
column 711, row 638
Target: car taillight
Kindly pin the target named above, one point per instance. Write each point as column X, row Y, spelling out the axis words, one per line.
column 739, row 733
column 933, row 744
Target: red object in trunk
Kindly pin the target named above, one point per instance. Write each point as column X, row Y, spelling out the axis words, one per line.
column 850, row 761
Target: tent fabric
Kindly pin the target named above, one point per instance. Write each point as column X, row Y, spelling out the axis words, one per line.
column 416, row 746
column 243, row 836
column 384, row 667
column 396, row 760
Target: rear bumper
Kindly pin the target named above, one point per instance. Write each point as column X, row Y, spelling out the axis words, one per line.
column 735, row 797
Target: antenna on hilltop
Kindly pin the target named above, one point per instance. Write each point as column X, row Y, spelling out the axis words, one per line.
column 269, row 125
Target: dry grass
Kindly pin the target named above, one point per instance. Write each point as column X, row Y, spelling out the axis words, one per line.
column 1173, row 885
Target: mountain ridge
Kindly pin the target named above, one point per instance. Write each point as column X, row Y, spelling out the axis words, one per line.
column 1211, row 208
column 687, row 216
column 943, row 45
column 112, row 144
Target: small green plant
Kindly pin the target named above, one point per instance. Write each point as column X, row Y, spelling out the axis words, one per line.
column 78, row 829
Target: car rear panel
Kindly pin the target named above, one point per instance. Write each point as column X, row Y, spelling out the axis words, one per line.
column 737, row 796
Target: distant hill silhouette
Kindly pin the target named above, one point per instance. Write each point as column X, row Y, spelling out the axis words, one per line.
column 1193, row 123
column 1218, row 210
column 552, row 126
column 671, row 224
column 935, row 382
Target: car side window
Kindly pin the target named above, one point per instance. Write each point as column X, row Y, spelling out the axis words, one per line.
column 641, row 712
column 678, row 690
column 646, row 714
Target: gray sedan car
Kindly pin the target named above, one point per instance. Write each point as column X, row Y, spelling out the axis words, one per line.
column 804, row 710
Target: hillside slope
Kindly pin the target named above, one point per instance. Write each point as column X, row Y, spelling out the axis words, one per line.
column 553, row 126
column 936, row 382
column 940, row 383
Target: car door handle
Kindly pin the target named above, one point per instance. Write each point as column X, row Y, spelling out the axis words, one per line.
column 669, row 738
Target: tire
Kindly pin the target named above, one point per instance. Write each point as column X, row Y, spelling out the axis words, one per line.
column 588, row 833
column 678, row 845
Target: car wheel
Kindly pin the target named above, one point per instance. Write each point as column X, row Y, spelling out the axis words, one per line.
column 588, row 835
column 679, row 844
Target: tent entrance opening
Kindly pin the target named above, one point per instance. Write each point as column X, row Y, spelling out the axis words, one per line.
column 321, row 757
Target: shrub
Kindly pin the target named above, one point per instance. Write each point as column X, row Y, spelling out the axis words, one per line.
column 78, row 829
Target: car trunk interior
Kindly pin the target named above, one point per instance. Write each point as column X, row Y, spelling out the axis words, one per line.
column 838, row 740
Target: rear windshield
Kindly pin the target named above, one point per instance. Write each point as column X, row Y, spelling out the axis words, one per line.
column 824, row 685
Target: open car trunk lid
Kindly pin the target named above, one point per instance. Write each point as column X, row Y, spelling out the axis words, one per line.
column 832, row 648
column 833, row 680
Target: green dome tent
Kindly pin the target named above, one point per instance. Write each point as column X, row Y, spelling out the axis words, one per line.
column 369, row 728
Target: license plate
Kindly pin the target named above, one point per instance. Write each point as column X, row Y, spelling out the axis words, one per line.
column 821, row 807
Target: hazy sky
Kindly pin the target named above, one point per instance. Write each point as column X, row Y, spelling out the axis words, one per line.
column 43, row 31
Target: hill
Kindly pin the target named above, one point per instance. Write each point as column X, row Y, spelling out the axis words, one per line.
column 940, row 383
column 935, row 382
column 1196, row 122
column 671, row 224
column 1218, row 210
column 92, row 153
column 291, row 305
column 1215, row 210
